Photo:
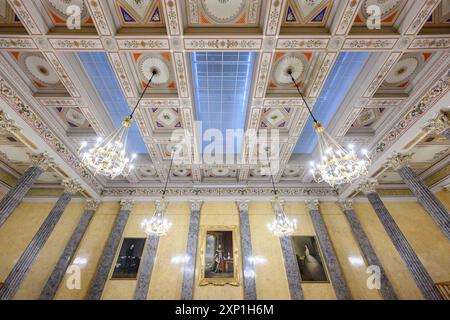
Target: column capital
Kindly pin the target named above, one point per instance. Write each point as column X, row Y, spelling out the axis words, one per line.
column 243, row 204
column 92, row 204
column 312, row 204
column 346, row 204
column 71, row 186
column 41, row 160
column 7, row 124
column 368, row 186
column 126, row 204
column 438, row 124
column 398, row 160
column 196, row 204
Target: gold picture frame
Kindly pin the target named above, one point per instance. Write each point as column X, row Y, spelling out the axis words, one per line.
column 217, row 258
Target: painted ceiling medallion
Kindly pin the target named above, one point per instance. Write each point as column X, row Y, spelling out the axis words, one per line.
column 181, row 172
column 275, row 117
column 403, row 70
column 140, row 8
column 292, row 171
column 294, row 63
column 222, row 11
column 61, row 6
column 41, row 69
column 149, row 63
column 167, row 117
column 387, row 7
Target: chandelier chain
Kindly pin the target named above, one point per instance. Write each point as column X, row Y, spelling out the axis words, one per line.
column 303, row 98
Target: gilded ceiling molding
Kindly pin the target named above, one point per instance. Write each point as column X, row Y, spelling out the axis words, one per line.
column 8, row 43
column 322, row 75
column 98, row 15
column 221, row 192
column 57, row 102
column 7, row 124
column 294, row 44
column 71, row 186
column 273, row 21
column 223, row 44
column 42, row 160
column 422, row 16
column 121, row 74
column 398, row 161
column 350, row 11
column 25, row 17
column 34, row 121
column 92, row 204
column 431, row 96
column 76, row 44
column 370, row 44
column 368, row 186
column 438, row 125
column 173, row 19
column 62, row 74
column 430, row 43
column 143, row 44
column 387, row 66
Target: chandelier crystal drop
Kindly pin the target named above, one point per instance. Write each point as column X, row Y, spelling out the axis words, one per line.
column 157, row 225
column 108, row 156
column 281, row 226
column 337, row 165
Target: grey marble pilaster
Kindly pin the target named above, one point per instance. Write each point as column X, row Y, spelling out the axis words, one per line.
column 292, row 270
column 145, row 273
column 446, row 134
column 406, row 252
column 337, row 278
column 386, row 289
column 427, row 199
column 16, row 194
column 66, row 257
column 247, row 256
column 23, row 265
column 107, row 258
column 191, row 251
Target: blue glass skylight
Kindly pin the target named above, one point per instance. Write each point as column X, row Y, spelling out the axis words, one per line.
column 347, row 67
column 103, row 78
column 222, row 86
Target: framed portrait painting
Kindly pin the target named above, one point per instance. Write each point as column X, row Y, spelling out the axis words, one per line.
column 309, row 259
column 129, row 258
column 219, row 256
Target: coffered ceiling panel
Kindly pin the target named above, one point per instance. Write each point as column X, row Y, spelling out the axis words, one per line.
column 223, row 13
column 307, row 13
column 8, row 17
column 60, row 11
column 402, row 77
column 144, row 13
column 37, row 72
column 390, row 11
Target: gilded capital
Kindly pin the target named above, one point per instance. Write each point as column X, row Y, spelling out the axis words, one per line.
column 126, row 204
column 7, row 124
column 368, row 186
column 438, row 124
column 196, row 205
column 398, row 161
column 346, row 204
column 41, row 160
column 92, row 204
column 243, row 204
column 71, row 186
column 312, row 204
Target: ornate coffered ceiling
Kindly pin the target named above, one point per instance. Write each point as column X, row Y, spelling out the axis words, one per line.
column 407, row 58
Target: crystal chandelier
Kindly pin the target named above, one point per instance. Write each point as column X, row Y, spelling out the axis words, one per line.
column 108, row 156
column 337, row 165
column 158, row 225
column 281, row 225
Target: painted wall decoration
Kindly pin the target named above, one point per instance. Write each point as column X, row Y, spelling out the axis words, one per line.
column 309, row 259
column 219, row 256
column 129, row 258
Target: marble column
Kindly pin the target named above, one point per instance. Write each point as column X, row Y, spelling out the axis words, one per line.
column 40, row 163
column 439, row 125
column 66, row 257
column 107, row 258
column 400, row 163
column 187, row 288
column 411, row 260
column 148, row 261
column 386, row 289
column 23, row 265
column 291, row 267
column 247, row 256
column 337, row 278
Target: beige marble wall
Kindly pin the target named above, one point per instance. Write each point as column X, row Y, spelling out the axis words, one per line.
column 444, row 196
column 271, row 283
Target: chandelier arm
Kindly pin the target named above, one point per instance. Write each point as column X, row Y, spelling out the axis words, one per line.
column 143, row 93
column 303, row 98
